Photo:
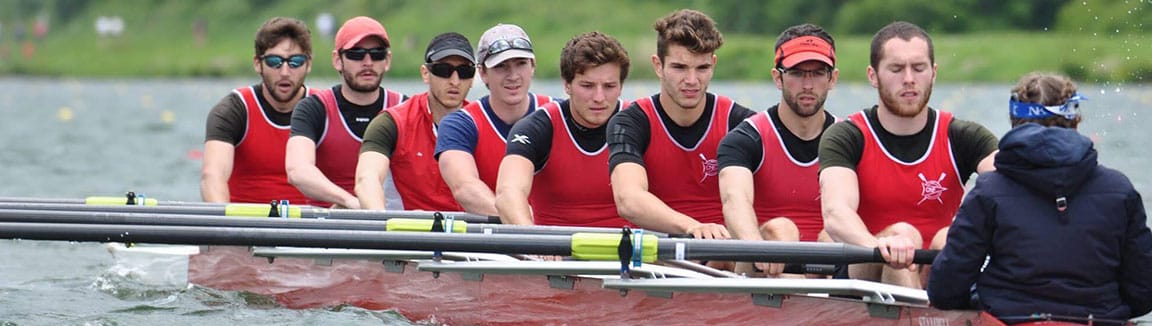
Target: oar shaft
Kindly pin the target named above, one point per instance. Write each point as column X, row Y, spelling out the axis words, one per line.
column 187, row 235
column 261, row 210
column 776, row 251
column 668, row 248
column 354, row 214
column 84, row 201
column 117, row 218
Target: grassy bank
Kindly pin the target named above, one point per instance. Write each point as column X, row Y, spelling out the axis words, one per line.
column 158, row 42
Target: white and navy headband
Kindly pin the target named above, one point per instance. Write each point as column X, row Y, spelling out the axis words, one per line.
column 1031, row 110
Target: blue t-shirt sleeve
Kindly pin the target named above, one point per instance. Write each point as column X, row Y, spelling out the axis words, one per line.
column 456, row 131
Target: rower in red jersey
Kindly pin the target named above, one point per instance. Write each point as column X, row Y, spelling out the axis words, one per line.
column 892, row 176
column 328, row 128
column 248, row 129
column 554, row 170
column 768, row 164
column 402, row 139
column 663, row 148
column 473, row 140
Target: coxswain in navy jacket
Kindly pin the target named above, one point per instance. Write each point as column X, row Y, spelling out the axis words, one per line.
column 1063, row 235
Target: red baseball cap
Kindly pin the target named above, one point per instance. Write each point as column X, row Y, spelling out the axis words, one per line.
column 805, row 48
column 357, row 29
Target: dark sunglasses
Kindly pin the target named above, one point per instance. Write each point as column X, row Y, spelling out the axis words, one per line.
column 444, row 70
column 294, row 61
column 501, row 45
column 358, row 54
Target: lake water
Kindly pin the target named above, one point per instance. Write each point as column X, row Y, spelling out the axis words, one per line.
column 75, row 138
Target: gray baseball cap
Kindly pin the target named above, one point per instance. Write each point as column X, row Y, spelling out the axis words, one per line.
column 449, row 44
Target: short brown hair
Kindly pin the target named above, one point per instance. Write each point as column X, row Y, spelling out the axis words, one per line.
column 689, row 28
column 905, row 31
column 589, row 50
column 1048, row 89
column 275, row 30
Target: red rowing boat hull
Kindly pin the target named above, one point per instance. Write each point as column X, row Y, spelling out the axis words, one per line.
column 502, row 299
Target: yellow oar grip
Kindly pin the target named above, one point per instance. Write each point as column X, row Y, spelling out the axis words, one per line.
column 422, row 225
column 256, row 210
column 604, row 246
column 115, row 201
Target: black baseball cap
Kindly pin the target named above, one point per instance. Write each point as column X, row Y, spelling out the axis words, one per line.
column 449, row 44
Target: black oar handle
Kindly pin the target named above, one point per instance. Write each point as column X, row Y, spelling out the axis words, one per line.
column 819, row 269
column 922, row 256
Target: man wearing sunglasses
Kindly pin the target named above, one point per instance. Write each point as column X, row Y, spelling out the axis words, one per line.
column 403, row 138
column 552, row 178
column 892, row 176
column 328, row 128
column 473, row 140
column 248, row 129
column 768, row 164
column 663, row 147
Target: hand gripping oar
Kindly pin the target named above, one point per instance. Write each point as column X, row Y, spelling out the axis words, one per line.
column 580, row 245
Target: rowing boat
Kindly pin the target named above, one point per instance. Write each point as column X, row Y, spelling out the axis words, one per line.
column 500, row 290
column 474, row 282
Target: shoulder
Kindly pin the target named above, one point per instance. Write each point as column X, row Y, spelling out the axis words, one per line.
column 993, row 183
column 632, row 113
column 457, row 121
column 741, row 111
column 744, row 135
column 409, row 104
column 844, row 130
column 383, row 120
column 970, row 131
column 228, row 105
column 1112, row 179
column 309, row 104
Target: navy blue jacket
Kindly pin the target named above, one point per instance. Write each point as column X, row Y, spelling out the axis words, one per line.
column 1064, row 236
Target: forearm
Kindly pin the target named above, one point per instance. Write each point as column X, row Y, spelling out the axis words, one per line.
column 839, row 199
column 310, row 181
column 513, row 207
column 737, row 196
column 214, row 190
column 215, row 170
column 847, row 227
column 476, row 198
column 741, row 220
column 646, row 211
column 370, row 192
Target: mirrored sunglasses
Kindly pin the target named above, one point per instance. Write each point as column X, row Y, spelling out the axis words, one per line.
column 501, row 45
column 445, row 70
column 357, row 54
column 294, row 61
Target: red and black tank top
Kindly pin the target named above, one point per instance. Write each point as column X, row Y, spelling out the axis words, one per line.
column 685, row 177
column 258, row 174
column 925, row 193
column 573, row 188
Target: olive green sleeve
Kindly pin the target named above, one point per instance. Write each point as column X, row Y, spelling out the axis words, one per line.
column 380, row 136
column 971, row 143
column 841, row 145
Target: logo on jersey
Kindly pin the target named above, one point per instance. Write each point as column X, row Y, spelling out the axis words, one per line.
column 711, row 167
column 518, row 138
column 931, row 189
